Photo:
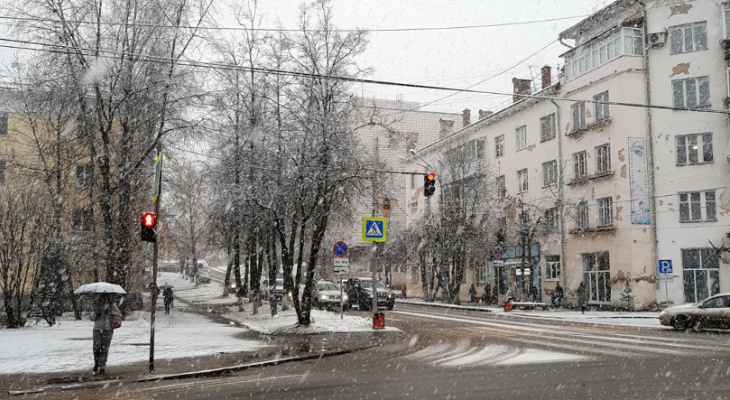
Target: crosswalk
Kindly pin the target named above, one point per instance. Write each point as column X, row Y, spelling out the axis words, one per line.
column 473, row 341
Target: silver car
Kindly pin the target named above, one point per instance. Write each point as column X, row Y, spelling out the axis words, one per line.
column 326, row 294
column 713, row 312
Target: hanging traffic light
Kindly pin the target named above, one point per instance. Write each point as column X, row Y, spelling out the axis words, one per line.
column 149, row 227
column 429, row 184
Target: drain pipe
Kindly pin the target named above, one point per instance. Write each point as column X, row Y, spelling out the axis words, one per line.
column 650, row 155
column 561, row 192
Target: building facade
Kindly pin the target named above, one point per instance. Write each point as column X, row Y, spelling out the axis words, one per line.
column 615, row 176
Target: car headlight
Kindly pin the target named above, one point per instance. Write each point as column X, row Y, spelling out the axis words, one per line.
column 390, row 295
column 344, row 297
column 323, row 297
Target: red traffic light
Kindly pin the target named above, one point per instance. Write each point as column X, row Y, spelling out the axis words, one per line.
column 431, row 176
column 149, row 219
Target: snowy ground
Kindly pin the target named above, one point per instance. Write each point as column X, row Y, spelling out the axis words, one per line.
column 617, row 318
column 67, row 345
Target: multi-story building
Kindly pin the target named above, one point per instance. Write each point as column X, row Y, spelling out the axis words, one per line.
column 610, row 173
column 387, row 130
column 687, row 69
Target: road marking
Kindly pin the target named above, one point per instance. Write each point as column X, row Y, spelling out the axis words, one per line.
column 568, row 343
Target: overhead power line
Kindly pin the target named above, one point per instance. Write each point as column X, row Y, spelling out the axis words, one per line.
column 62, row 49
column 223, row 28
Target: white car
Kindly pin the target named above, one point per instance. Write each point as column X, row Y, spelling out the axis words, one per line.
column 326, row 294
column 713, row 312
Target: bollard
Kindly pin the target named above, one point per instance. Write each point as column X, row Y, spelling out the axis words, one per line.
column 379, row 321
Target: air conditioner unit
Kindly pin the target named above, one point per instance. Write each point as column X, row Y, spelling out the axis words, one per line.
column 657, row 39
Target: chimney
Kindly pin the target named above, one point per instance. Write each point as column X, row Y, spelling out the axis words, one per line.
column 465, row 117
column 521, row 86
column 485, row 114
column 445, row 127
column 546, row 76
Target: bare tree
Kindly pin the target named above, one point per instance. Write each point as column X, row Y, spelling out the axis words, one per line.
column 123, row 61
column 24, row 226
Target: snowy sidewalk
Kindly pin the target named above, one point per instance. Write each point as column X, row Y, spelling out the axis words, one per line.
column 618, row 318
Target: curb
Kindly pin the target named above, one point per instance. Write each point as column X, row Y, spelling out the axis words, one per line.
column 450, row 306
column 241, row 367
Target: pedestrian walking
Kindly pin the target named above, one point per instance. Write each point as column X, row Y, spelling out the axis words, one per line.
column 472, row 293
column 404, row 290
column 167, row 296
column 104, row 309
column 582, row 297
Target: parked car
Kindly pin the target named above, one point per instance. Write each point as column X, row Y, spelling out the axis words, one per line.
column 713, row 312
column 359, row 292
column 326, row 294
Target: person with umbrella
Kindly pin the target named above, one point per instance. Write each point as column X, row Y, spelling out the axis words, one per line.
column 103, row 309
column 167, row 295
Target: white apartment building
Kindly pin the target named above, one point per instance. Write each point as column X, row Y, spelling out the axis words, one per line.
column 688, row 53
column 619, row 188
column 387, row 130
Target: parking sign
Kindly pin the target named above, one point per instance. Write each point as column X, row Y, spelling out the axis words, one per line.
column 665, row 267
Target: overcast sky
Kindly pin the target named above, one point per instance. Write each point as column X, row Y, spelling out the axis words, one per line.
column 488, row 57
column 497, row 40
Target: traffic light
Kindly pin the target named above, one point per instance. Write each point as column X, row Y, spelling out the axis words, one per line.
column 149, row 227
column 429, row 184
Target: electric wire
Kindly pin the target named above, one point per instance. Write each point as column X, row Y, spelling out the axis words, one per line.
column 60, row 49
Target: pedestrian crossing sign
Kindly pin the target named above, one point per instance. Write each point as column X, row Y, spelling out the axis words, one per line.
column 374, row 229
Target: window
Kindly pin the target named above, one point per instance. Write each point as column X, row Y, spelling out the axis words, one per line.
column 688, row 149
column 691, row 93
column 550, row 220
column 601, row 103
column 480, row 276
column 547, row 127
column 726, row 19
column 414, row 209
column 414, row 181
column 83, row 175
column 3, row 123
column 578, row 114
column 593, row 54
column 697, row 206
column 603, row 158
column 477, row 146
column 688, row 38
column 521, row 137
column 581, row 215
column 501, row 187
column 552, row 268
column 2, row 172
column 700, row 273
column 550, row 173
column 605, row 211
column 522, row 180
column 81, row 221
column 596, row 275
column 499, row 146
column 414, row 275
column 579, row 165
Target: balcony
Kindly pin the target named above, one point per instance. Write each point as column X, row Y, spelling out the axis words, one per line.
column 593, row 231
column 595, row 125
column 588, row 178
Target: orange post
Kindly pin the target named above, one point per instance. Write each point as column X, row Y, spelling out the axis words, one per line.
column 379, row 321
